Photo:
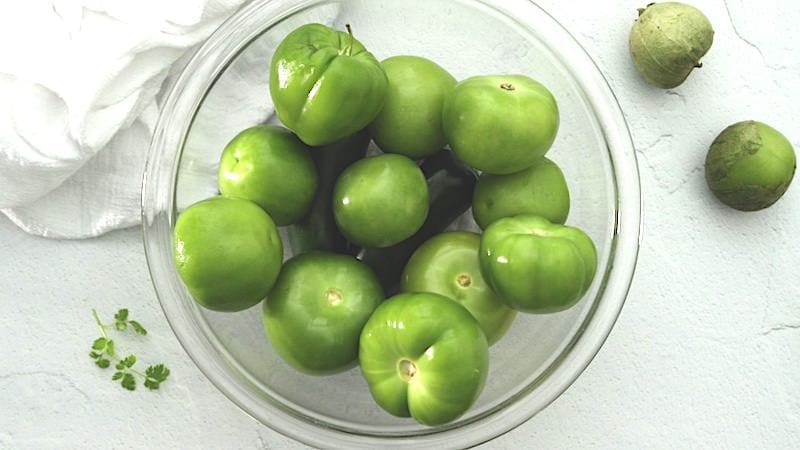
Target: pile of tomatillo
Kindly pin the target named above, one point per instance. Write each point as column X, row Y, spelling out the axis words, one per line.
column 363, row 228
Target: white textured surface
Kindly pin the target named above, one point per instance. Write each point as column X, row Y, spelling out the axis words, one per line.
column 705, row 354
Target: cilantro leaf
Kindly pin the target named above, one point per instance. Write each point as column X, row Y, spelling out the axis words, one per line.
column 102, row 363
column 156, row 375
column 138, row 328
column 110, row 347
column 117, row 376
column 158, row 372
column 128, row 382
column 129, row 361
column 99, row 343
column 121, row 318
column 121, row 315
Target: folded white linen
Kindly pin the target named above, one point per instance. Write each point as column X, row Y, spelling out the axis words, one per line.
column 80, row 88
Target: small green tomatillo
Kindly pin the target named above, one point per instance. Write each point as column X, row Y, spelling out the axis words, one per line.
column 750, row 166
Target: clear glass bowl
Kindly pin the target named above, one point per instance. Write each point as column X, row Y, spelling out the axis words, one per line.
column 224, row 89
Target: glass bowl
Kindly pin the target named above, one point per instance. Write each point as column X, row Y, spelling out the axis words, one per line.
column 224, row 89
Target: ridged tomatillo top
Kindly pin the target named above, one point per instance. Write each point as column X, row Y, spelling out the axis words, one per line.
column 424, row 356
column 535, row 265
column 325, row 85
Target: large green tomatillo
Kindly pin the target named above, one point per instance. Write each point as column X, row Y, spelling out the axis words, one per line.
column 540, row 189
column 325, row 85
column 410, row 122
column 537, row 266
column 314, row 315
column 447, row 264
column 500, row 124
column 424, row 356
column 227, row 252
column 268, row 165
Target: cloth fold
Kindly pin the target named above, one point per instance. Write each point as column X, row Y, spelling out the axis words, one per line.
column 81, row 83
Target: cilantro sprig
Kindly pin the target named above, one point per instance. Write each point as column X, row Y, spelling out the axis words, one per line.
column 104, row 353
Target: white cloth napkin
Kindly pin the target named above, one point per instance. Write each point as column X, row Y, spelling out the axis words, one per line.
column 81, row 83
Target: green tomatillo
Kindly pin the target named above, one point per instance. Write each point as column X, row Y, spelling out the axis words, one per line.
column 424, row 356
column 314, row 315
column 317, row 230
column 268, row 165
column 537, row 266
column 750, row 166
column 667, row 42
column 500, row 124
column 325, row 85
column 381, row 200
column 227, row 252
column 448, row 265
column 540, row 189
column 450, row 185
column 410, row 122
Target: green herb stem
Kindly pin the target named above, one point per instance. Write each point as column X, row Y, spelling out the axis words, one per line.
column 131, row 369
column 99, row 323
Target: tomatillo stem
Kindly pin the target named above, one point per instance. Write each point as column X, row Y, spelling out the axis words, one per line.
column 406, row 369
column 507, row 86
column 350, row 44
column 333, row 296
